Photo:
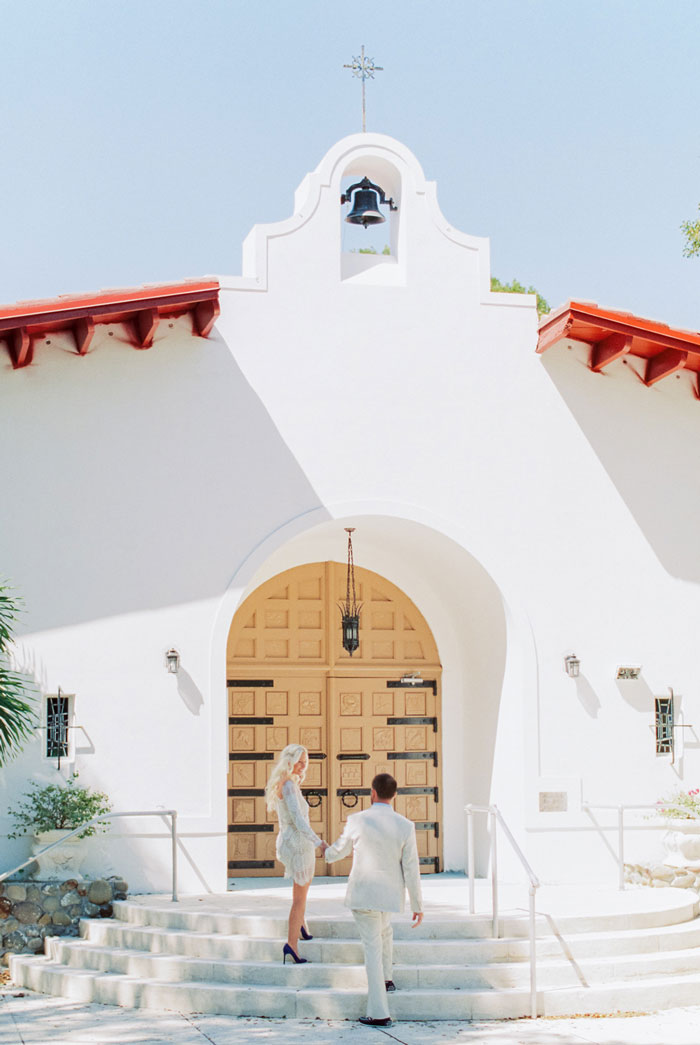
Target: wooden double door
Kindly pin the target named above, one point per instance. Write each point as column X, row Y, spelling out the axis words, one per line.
column 354, row 727
column 290, row 681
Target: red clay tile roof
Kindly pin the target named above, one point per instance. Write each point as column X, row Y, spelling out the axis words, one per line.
column 612, row 335
column 142, row 307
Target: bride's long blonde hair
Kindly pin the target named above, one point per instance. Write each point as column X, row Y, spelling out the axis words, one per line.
column 282, row 771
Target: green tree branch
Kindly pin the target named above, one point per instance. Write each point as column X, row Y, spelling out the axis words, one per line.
column 691, row 231
column 514, row 287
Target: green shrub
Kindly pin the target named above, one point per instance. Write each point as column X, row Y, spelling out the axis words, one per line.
column 681, row 805
column 57, row 807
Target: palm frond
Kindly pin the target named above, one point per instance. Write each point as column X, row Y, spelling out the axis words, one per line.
column 17, row 713
column 10, row 608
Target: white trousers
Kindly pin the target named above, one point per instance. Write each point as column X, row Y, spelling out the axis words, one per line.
column 377, row 938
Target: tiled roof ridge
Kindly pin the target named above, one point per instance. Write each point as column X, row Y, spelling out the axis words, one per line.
column 620, row 315
column 141, row 308
column 54, row 304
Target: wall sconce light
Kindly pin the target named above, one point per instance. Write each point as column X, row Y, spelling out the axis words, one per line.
column 628, row 671
column 572, row 665
column 172, row 661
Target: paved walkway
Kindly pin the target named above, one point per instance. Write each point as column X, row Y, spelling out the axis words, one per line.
column 34, row 1019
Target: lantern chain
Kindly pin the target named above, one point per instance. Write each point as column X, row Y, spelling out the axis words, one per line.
column 352, row 606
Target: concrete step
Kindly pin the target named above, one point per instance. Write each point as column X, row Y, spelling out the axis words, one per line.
column 349, row 1003
column 223, row 954
column 437, row 926
column 413, row 950
column 81, row 954
column 246, row 948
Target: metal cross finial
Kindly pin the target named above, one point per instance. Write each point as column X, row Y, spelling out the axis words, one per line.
column 364, row 69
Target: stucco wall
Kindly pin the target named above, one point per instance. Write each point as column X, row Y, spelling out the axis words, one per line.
column 135, row 494
column 528, row 507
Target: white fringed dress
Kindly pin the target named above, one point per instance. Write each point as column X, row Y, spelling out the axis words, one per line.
column 296, row 841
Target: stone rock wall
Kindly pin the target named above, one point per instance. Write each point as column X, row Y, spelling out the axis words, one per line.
column 29, row 911
column 660, row 876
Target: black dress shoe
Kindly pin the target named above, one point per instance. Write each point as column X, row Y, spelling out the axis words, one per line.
column 369, row 1022
column 389, row 986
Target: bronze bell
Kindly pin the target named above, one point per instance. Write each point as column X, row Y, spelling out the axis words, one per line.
column 365, row 210
column 365, row 205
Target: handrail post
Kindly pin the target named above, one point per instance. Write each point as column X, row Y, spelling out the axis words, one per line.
column 533, row 956
column 173, row 833
column 494, row 871
column 470, row 857
column 621, row 828
column 172, row 813
column 495, row 819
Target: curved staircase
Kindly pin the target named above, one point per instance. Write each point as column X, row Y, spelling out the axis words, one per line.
column 597, row 953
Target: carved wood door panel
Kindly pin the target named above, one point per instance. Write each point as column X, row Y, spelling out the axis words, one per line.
column 264, row 716
column 380, row 725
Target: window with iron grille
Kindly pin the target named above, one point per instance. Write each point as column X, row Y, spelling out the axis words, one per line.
column 663, row 707
column 57, row 722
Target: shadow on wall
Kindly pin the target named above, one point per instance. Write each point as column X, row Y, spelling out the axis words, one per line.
column 636, row 693
column 140, row 479
column 587, row 697
column 189, row 692
column 647, row 440
column 484, row 647
column 484, row 639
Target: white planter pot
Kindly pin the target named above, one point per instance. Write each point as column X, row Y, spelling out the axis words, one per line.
column 682, row 844
column 64, row 861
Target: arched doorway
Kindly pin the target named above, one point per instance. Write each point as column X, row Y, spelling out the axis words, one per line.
column 290, row 681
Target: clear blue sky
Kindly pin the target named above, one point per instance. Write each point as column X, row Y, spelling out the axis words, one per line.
column 141, row 139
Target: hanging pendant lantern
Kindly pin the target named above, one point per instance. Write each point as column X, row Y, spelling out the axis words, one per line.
column 350, row 610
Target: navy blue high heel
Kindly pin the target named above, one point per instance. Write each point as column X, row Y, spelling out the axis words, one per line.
column 305, row 935
column 289, row 951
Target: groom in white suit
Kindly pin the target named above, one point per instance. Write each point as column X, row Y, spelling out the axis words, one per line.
column 384, row 866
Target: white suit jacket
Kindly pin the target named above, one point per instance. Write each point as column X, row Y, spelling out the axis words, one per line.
column 385, row 860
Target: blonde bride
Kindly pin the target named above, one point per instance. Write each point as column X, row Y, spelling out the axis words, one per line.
column 297, row 841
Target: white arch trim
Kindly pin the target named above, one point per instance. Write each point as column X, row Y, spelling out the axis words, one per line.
column 519, row 711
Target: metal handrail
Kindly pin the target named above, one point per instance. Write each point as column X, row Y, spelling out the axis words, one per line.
column 621, row 827
column 172, row 813
column 496, row 818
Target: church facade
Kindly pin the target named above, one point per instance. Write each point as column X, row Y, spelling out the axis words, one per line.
column 182, row 462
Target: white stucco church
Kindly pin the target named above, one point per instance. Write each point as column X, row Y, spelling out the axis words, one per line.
column 181, row 462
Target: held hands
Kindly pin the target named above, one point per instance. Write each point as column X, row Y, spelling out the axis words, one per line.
column 323, row 846
column 417, row 919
